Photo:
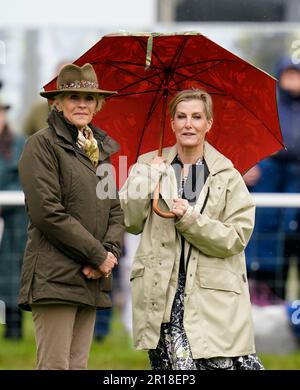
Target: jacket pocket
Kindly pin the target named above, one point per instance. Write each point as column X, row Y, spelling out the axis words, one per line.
column 219, row 279
column 137, row 272
column 138, row 266
column 55, row 267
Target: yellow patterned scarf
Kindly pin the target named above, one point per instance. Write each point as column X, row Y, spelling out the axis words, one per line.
column 88, row 144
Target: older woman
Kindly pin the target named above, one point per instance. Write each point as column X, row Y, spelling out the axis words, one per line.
column 191, row 306
column 74, row 237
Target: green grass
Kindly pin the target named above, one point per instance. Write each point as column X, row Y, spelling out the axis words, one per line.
column 282, row 362
column 115, row 352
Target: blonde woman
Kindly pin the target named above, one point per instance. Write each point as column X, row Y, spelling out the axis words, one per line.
column 191, row 307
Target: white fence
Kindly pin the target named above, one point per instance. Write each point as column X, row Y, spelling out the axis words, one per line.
column 10, row 198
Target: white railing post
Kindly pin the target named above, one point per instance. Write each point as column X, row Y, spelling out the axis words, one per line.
column 276, row 200
column 11, row 198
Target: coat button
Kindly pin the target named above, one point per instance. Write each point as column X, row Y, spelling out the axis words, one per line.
column 162, row 244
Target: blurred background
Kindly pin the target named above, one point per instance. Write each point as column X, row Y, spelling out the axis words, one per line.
column 36, row 38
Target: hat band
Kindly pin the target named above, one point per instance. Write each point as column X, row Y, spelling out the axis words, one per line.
column 79, row 84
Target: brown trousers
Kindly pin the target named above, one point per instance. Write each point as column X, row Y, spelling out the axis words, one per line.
column 63, row 335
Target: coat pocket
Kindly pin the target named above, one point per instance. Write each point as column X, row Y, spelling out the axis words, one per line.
column 138, row 266
column 219, row 279
column 137, row 272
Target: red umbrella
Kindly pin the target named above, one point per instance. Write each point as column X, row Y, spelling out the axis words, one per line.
column 148, row 69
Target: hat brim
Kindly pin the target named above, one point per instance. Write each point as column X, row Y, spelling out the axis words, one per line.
column 53, row 94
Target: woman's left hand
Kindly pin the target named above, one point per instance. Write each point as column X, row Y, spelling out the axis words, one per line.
column 180, row 207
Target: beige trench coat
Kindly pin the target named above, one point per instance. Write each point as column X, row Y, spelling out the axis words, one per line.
column 217, row 312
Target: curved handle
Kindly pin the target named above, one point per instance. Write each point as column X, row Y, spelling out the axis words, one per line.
column 156, row 209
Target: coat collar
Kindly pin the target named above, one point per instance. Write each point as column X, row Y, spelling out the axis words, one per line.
column 216, row 162
column 106, row 144
column 64, row 130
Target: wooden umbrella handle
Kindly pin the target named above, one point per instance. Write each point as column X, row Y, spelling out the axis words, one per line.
column 156, row 209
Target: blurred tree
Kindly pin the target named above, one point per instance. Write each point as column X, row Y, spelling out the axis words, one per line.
column 264, row 50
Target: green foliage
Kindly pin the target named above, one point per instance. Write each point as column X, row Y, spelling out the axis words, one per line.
column 265, row 49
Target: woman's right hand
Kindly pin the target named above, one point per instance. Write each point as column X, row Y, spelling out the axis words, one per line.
column 108, row 264
column 105, row 269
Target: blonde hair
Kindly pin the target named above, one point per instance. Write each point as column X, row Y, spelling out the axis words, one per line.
column 192, row 94
column 99, row 99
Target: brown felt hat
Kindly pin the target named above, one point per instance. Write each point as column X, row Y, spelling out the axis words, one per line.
column 73, row 78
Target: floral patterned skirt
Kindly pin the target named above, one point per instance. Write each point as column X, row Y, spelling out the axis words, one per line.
column 174, row 353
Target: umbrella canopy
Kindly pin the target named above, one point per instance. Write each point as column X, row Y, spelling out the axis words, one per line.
column 148, row 69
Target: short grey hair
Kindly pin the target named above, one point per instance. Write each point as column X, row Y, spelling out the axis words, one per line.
column 99, row 98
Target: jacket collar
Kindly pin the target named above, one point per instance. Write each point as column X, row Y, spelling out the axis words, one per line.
column 61, row 126
column 106, row 144
column 64, row 130
column 216, row 162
